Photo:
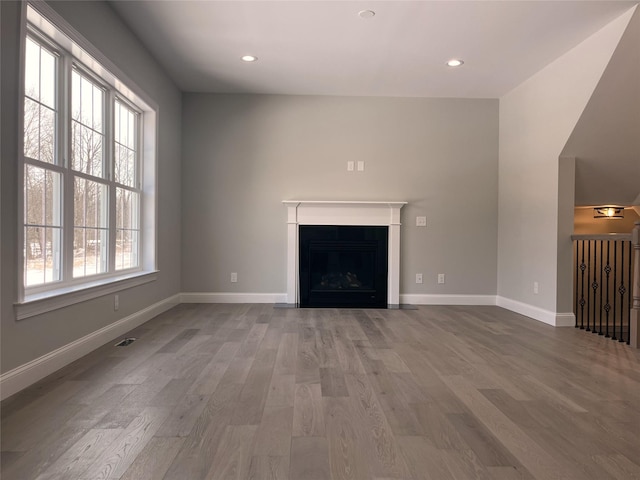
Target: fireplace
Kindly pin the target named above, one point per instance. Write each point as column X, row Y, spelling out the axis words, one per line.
column 319, row 213
column 343, row 266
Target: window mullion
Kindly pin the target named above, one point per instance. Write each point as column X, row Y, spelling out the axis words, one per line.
column 22, row 200
column 109, row 137
column 64, row 140
column 139, row 147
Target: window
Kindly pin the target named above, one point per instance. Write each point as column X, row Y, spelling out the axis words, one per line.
column 127, row 195
column 88, row 167
column 42, row 182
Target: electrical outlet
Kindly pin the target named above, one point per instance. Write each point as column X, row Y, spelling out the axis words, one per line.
column 535, row 287
column 441, row 278
column 361, row 165
column 116, row 302
column 234, row 277
column 421, row 221
column 418, row 278
column 350, row 166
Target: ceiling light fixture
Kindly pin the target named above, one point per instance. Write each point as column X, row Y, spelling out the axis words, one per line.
column 366, row 14
column 249, row 58
column 454, row 62
column 608, row 212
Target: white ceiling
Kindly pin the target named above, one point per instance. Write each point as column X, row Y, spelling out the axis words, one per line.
column 325, row 48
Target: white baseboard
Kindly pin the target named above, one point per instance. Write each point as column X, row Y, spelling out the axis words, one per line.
column 211, row 297
column 565, row 320
column 418, row 299
column 537, row 313
column 21, row 377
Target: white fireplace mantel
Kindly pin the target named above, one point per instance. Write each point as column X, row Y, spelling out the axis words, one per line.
column 318, row 212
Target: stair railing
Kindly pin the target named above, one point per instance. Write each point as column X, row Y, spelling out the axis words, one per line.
column 607, row 285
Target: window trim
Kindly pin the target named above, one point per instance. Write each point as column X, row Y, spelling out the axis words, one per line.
column 50, row 27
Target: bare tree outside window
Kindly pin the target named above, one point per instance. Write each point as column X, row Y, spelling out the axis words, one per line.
column 42, row 225
column 91, row 232
column 42, row 186
column 87, row 106
column 127, row 199
column 90, row 197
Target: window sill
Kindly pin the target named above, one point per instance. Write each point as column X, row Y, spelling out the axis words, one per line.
column 40, row 303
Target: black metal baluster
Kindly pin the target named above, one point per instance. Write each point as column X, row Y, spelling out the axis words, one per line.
column 600, row 270
column 607, row 306
column 622, row 291
column 582, row 302
column 615, row 284
column 588, row 329
column 594, row 285
column 575, row 284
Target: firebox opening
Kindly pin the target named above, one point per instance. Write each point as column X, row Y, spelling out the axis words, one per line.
column 343, row 266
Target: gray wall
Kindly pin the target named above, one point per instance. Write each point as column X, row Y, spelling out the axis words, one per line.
column 244, row 154
column 536, row 215
column 28, row 339
column 606, row 140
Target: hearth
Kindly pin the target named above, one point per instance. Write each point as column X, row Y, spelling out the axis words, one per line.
column 343, row 266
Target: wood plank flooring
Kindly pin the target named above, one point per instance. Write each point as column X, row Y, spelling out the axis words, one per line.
column 257, row 392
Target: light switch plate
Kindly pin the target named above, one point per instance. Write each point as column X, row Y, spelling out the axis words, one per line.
column 421, row 221
column 361, row 165
column 350, row 166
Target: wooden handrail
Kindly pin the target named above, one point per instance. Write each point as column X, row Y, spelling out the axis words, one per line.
column 603, row 236
column 634, row 332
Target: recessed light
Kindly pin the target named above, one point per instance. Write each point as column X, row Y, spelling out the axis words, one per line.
column 366, row 14
column 249, row 58
column 454, row 62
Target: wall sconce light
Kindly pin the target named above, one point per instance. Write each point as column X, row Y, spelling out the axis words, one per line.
column 608, row 212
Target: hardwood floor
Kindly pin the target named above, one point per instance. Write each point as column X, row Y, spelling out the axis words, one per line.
column 257, row 392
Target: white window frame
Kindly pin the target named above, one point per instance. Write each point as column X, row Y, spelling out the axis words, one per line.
column 52, row 30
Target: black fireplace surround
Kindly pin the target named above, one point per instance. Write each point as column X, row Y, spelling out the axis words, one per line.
column 343, row 266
